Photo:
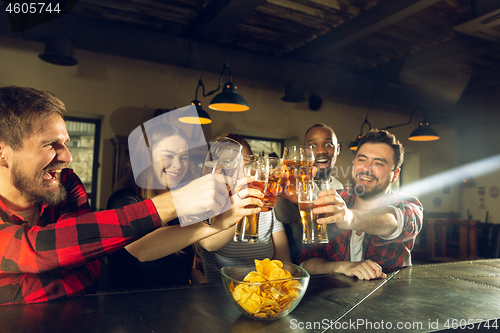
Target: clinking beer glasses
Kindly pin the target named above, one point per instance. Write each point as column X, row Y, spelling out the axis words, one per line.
column 312, row 232
column 257, row 169
column 224, row 157
column 298, row 162
column 273, row 188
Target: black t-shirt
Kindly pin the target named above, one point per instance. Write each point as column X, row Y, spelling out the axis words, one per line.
column 127, row 272
column 288, row 213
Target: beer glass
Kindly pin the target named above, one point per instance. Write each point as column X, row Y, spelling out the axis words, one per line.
column 298, row 162
column 312, row 232
column 224, row 157
column 273, row 188
column 257, row 169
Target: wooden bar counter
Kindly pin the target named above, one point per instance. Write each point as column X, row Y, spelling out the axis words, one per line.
column 422, row 298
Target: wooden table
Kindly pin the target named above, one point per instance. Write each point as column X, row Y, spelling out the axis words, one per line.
column 422, row 298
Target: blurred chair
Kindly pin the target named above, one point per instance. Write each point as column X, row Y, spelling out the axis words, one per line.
column 439, row 245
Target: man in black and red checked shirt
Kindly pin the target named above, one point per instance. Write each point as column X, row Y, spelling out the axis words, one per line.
column 50, row 242
column 370, row 228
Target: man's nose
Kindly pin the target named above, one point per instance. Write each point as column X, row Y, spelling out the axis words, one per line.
column 371, row 166
column 320, row 150
column 64, row 155
column 365, row 167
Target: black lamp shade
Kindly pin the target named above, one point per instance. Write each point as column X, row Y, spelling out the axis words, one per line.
column 424, row 133
column 203, row 117
column 354, row 144
column 229, row 100
column 58, row 51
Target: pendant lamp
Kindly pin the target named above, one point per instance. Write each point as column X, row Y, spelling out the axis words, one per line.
column 228, row 100
column 354, row 144
column 424, row 133
column 58, row 51
column 203, row 117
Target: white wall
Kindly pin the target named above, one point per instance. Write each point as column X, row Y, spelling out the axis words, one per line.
column 125, row 92
column 479, row 145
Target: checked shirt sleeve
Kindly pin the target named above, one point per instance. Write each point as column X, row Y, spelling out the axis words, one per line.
column 57, row 258
column 73, row 241
column 412, row 211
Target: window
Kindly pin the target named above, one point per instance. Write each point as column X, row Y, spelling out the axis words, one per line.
column 84, row 147
column 265, row 146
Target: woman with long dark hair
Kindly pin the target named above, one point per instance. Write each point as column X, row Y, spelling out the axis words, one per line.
column 165, row 256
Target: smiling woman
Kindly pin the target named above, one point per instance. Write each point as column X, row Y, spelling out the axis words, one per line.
column 164, row 161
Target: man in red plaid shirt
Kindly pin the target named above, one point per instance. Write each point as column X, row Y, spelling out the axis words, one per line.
column 370, row 228
column 50, row 242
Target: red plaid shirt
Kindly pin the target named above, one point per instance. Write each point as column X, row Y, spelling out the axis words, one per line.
column 57, row 258
column 389, row 254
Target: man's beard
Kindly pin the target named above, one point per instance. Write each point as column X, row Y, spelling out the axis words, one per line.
column 33, row 189
column 361, row 191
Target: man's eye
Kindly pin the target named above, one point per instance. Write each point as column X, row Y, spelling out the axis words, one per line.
column 168, row 156
column 329, row 144
column 312, row 145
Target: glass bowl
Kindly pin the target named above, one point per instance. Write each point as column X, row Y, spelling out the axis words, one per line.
column 265, row 300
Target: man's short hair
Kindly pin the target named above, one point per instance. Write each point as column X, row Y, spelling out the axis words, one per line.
column 23, row 112
column 320, row 125
column 382, row 136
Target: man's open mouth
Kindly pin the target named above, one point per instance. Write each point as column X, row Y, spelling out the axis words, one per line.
column 322, row 162
column 366, row 177
column 51, row 175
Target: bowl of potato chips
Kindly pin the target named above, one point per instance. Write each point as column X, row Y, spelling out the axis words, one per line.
column 267, row 291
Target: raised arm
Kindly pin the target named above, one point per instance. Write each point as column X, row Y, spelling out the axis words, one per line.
column 170, row 239
column 71, row 236
column 380, row 221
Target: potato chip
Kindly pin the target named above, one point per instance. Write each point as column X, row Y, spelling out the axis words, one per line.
column 266, row 300
column 254, row 277
column 252, row 303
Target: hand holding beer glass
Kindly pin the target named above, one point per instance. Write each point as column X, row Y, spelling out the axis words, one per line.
column 256, row 168
column 298, row 162
column 312, row 232
column 224, row 157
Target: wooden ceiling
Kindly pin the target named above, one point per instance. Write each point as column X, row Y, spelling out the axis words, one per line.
column 412, row 44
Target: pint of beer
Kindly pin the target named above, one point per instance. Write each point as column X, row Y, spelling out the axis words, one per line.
column 312, row 232
column 247, row 229
column 298, row 164
column 257, row 168
column 273, row 188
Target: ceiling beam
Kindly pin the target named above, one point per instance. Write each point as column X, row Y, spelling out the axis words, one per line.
column 135, row 43
column 217, row 17
column 439, row 56
column 359, row 27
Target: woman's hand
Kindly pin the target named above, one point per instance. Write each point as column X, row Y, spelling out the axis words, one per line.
column 246, row 201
